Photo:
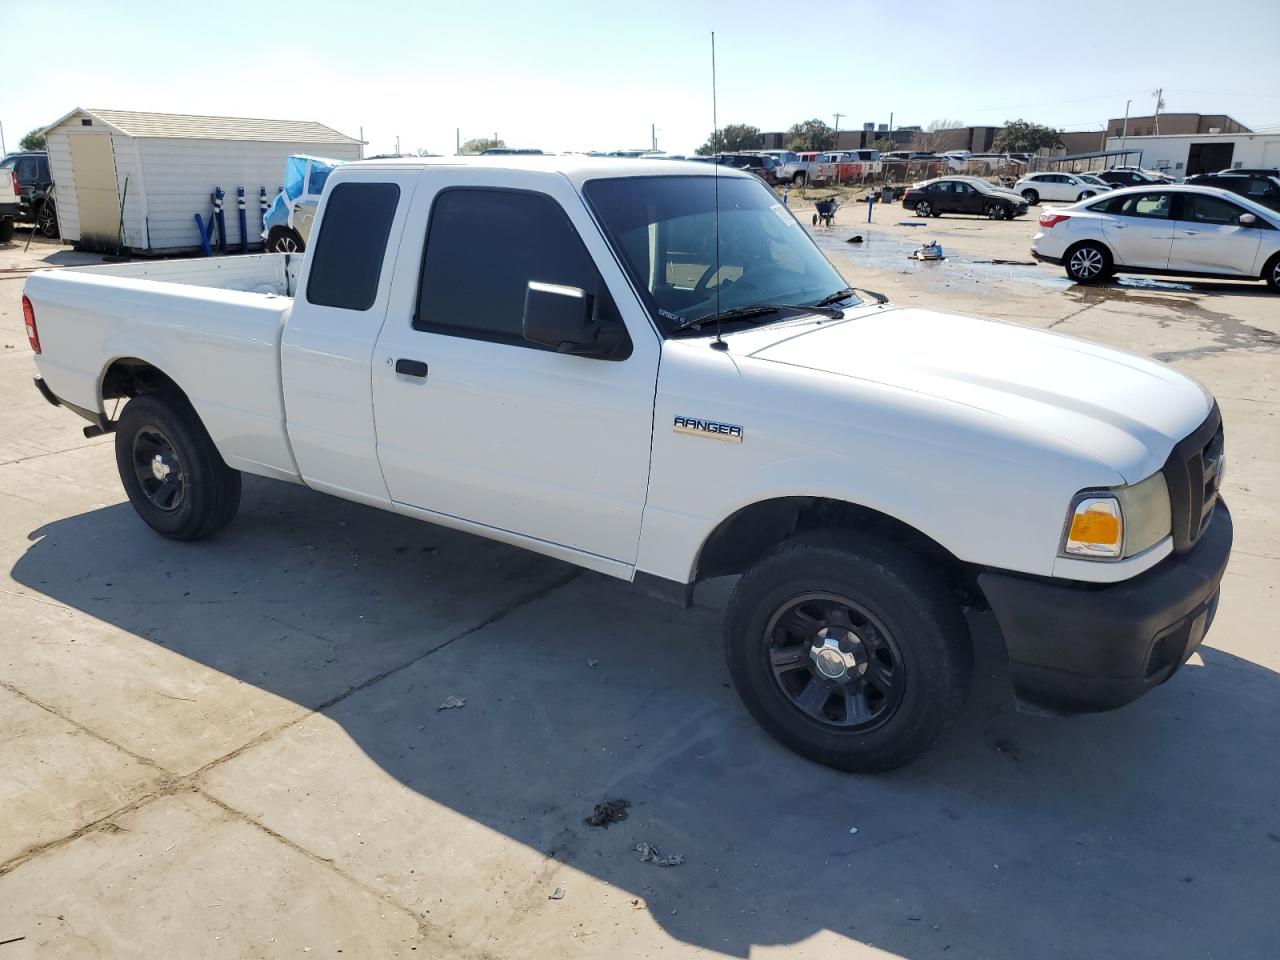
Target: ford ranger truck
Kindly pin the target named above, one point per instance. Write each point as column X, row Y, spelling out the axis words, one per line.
column 648, row 369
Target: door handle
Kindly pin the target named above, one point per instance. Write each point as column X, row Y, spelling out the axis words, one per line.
column 1120, row 226
column 412, row 368
column 1190, row 233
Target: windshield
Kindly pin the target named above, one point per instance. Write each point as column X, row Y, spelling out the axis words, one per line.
column 664, row 229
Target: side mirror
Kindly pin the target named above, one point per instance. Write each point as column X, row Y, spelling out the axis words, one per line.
column 568, row 320
column 1248, row 220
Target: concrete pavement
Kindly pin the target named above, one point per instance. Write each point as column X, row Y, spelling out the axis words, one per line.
column 234, row 748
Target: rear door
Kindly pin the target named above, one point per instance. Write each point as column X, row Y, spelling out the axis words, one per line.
column 1139, row 228
column 476, row 424
column 1209, row 238
column 943, row 197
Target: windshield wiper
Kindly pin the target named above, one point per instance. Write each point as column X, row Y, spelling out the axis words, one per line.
column 759, row 310
column 836, row 297
column 877, row 297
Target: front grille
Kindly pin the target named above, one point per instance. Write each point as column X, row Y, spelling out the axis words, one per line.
column 1191, row 473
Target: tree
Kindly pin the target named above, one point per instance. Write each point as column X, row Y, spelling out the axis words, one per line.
column 32, row 141
column 934, row 138
column 734, row 136
column 811, row 135
column 1023, row 136
column 481, row 144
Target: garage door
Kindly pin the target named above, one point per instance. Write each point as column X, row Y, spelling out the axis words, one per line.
column 93, row 169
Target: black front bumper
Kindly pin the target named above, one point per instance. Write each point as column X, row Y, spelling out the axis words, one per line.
column 1078, row 647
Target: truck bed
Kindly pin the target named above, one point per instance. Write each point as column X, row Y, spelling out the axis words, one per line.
column 197, row 321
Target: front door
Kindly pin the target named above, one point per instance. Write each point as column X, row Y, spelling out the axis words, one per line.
column 1209, row 238
column 478, row 424
column 1139, row 228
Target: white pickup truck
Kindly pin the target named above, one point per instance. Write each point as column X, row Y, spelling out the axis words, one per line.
column 648, row 369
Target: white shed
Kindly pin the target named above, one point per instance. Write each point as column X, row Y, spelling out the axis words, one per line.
column 146, row 175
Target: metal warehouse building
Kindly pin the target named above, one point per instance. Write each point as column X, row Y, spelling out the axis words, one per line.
column 1182, row 155
column 137, row 179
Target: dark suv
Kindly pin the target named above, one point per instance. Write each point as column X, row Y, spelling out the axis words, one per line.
column 1258, row 188
column 762, row 165
column 35, row 189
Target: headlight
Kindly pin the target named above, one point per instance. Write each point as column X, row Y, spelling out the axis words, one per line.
column 1119, row 522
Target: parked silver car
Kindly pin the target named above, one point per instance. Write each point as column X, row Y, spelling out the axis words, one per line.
column 1168, row 229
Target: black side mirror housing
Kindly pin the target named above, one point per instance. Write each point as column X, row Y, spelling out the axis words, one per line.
column 567, row 319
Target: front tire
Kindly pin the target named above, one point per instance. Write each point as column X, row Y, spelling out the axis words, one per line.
column 849, row 651
column 996, row 211
column 1085, row 195
column 6, row 229
column 1271, row 273
column 1031, row 197
column 173, row 474
column 1088, row 263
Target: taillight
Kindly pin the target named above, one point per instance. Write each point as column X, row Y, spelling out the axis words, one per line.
column 1049, row 219
column 29, row 318
column 16, row 191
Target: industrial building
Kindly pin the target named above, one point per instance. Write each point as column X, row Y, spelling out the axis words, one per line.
column 1181, row 155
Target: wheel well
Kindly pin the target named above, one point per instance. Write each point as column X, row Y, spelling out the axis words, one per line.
column 747, row 535
column 1095, row 243
column 130, row 377
column 1270, row 265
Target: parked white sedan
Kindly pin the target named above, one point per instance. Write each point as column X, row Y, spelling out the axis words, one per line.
column 1185, row 231
column 1057, row 186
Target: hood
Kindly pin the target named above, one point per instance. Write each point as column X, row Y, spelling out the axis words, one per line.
column 1121, row 409
column 1007, row 194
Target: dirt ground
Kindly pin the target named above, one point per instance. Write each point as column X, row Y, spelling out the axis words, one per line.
column 236, row 748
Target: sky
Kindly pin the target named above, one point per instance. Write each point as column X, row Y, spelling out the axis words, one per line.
column 562, row 75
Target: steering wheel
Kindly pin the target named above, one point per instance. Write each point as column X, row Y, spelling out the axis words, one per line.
column 700, row 288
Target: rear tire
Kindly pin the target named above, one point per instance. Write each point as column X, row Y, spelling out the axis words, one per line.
column 1088, row 262
column 284, row 240
column 1031, row 197
column 173, row 474
column 6, row 230
column 924, row 209
column 1271, row 273
column 47, row 220
column 869, row 609
column 798, row 179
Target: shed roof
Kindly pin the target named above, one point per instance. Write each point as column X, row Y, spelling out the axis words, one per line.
column 190, row 127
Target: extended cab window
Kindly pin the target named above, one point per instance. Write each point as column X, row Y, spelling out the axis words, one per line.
column 483, row 248
column 346, row 262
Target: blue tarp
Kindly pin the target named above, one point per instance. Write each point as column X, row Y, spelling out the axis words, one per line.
column 295, row 174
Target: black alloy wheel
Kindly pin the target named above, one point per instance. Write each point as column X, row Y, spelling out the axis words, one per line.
column 835, row 661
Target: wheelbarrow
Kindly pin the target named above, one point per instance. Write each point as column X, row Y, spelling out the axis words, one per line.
column 826, row 211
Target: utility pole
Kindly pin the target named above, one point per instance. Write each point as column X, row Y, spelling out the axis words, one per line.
column 1124, row 131
column 891, row 143
column 653, row 136
column 836, row 145
column 1159, row 103
column 397, row 144
column 457, row 141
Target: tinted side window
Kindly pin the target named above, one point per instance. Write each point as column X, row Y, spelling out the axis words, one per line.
column 1202, row 209
column 483, row 248
column 1153, row 205
column 346, row 262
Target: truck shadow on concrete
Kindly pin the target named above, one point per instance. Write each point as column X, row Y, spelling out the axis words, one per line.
column 1149, row 832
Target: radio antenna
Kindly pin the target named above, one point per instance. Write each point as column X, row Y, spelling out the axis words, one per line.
column 718, row 343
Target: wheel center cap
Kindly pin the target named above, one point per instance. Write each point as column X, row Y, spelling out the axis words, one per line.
column 159, row 469
column 838, row 654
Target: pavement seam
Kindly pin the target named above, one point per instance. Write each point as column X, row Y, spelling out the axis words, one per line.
column 147, row 761
column 426, row 931
column 1070, row 316
column 54, row 453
